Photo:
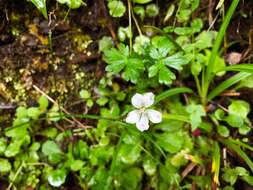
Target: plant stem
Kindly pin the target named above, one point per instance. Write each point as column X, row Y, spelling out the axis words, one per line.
column 198, row 84
column 137, row 25
column 16, row 175
column 130, row 26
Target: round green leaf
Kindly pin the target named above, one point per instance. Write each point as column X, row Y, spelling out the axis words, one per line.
column 84, row 93
column 77, row 165
column 50, row 147
column 152, row 10
column 116, row 8
column 223, row 131
column 5, row 166
column 104, row 44
column 57, row 177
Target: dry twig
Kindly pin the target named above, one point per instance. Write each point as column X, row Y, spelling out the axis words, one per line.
column 62, row 108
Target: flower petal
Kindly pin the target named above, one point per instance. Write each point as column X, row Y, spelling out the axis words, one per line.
column 148, row 99
column 137, row 100
column 133, row 117
column 154, row 116
column 142, row 124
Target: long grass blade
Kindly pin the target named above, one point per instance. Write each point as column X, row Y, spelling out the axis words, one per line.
column 248, row 68
column 171, row 92
column 237, row 149
column 211, row 63
column 227, row 83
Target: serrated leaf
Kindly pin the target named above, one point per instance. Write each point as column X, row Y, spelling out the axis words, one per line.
column 166, row 76
column 196, row 112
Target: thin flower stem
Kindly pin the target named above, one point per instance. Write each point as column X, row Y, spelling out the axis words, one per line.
column 137, row 25
column 16, row 175
column 198, row 84
column 130, row 26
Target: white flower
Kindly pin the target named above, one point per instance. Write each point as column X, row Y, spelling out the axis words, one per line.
column 142, row 116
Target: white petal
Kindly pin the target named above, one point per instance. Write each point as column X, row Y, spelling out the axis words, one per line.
column 148, row 99
column 142, row 124
column 154, row 116
column 133, row 117
column 137, row 100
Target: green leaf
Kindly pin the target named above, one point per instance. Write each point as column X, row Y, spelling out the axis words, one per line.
column 228, row 188
column 248, row 179
column 218, row 65
column 129, row 153
column 50, row 147
column 142, row 1
column 149, row 166
column 5, row 166
column 43, row 102
column 21, row 112
column 3, row 145
column 118, row 60
column 33, row 112
column 55, row 158
column 239, row 108
column 139, row 41
column 102, row 101
column 171, row 142
column 247, row 82
column 73, row 4
column 13, row 148
column 196, row 25
column 89, row 103
column 116, row 8
column 169, row 13
column 182, row 30
column 244, row 129
column 77, row 165
column 166, row 76
column 179, row 159
column 204, row 40
column 130, row 178
column 84, row 94
column 133, row 70
column 57, row 177
column 196, row 112
column 152, row 10
column 41, row 5
column 50, row 132
column 139, row 10
column 105, row 43
column 223, row 130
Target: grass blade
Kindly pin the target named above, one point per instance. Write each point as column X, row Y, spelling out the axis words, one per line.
column 237, row 149
column 211, row 63
column 171, row 92
column 227, row 83
column 248, row 68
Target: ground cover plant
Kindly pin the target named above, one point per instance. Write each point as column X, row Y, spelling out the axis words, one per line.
column 135, row 94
